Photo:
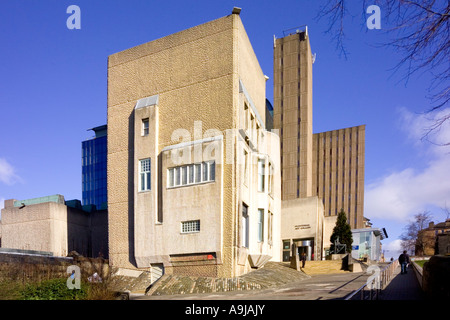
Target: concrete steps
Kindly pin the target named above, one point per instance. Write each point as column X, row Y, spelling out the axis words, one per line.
column 272, row 274
column 323, row 267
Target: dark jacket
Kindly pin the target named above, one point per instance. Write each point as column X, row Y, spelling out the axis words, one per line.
column 404, row 258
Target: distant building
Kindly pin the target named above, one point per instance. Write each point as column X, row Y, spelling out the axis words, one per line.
column 55, row 226
column 94, row 155
column 366, row 243
column 428, row 239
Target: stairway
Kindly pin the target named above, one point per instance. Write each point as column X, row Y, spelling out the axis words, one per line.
column 323, row 267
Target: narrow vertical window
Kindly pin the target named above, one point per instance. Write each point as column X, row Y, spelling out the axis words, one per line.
column 212, row 171
column 246, row 115
column 184, row 175
column 205, row 171
column 144, row 172
column 145, row 127
column 260, row 225
column 177, row 173
column 261, row 175
column 198, row 172
column 191, row 173
column 170, row 177
column 245, row 226
column 245, row 168
column 269, row 228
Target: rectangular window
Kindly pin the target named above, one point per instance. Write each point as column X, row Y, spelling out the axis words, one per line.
column 245, row 226
column 177, row 172
column 270, row 227
column 270, row 178
column 184, row 175
column 245, row 168
column 191, row 174
column 144, row 172
column 205, row 171
column 212, row 171
column 198, row 172
column 190, row 226
column 261, row 175
column 170, row 177
column 145, row 127
column 260, row 225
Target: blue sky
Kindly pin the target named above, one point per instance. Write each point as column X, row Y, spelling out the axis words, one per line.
column 53, row 88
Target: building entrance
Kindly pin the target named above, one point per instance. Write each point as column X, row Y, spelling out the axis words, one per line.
column 307, row 247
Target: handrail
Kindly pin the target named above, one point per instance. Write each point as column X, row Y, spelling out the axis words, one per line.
column 376, row 284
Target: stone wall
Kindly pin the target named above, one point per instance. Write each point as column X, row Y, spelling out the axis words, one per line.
column 25, row 267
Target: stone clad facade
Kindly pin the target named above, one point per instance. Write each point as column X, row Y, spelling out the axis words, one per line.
column 189, row 110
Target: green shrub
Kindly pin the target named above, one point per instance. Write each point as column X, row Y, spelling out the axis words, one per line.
column 54, row 289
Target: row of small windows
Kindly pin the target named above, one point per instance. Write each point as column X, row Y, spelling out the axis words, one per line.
column 178, row 176
column 191, row 174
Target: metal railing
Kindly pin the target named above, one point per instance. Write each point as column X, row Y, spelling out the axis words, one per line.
column 375, row 283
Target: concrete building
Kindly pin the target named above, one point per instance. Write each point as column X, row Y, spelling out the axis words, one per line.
column 338, row 172
column 193, row 176
column 325, row 167
column 55, row 226
column 366, row 243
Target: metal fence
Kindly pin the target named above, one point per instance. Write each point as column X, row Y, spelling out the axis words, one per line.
column 375, row 283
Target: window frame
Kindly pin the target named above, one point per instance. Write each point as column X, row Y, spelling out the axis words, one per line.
column 145, row 127
column 260, row 225
column 192, row 226
column 201, row 173
column 145, row 177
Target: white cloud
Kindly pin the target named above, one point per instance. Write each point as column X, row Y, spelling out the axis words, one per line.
column 399, row 195
column 7, row 173
column 392, row 249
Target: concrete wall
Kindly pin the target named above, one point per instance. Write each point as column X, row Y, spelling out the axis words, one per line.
column 54, row 227
column 303, row 219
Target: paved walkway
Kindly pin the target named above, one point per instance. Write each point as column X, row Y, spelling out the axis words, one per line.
column 403, row 287
column 316, row 287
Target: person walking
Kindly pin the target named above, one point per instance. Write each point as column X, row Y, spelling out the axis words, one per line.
column 303, row 259
column 404, row 260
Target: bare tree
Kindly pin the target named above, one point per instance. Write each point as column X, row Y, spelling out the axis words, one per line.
column 446, row 211
column 420, row 32
column 412, row 237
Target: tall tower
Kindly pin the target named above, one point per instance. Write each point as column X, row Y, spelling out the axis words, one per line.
column 330, row 164
column 292, row 97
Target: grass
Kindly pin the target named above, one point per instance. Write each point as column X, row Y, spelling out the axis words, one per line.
column 420, row 262
column 53, row 289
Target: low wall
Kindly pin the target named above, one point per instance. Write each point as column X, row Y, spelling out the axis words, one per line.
column 33, row 267
column 418, row 271
column 436, row 278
